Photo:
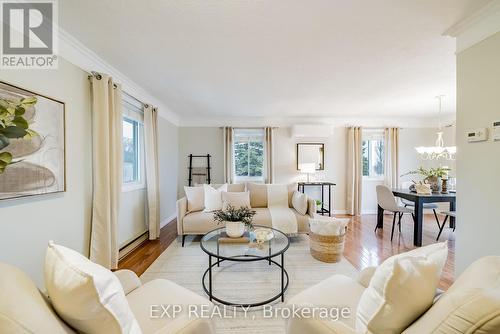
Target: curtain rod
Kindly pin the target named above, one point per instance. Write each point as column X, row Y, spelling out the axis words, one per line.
column 98, row 76
column 249, row 128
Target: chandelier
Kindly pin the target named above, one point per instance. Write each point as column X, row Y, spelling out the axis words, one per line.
column 438, row 151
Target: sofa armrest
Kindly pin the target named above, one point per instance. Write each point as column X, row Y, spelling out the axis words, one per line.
column 311, row 207
column 181, row 212
column 129, row 280
column 366, row 275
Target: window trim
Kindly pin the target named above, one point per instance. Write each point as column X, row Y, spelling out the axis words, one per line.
column 249, row 135
column 372, row 135
column 140, row 183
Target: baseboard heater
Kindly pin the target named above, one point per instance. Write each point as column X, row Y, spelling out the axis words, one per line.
column 130, row 246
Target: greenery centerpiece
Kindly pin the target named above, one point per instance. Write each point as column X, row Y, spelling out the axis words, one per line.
column 13, row 126
column 431, row 175
column 235, row 219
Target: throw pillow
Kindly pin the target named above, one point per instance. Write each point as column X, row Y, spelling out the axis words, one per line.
column 235, row 199
column 258, row 195
column 299, row 202
column 86, row 295
column 195, row 198
column 213, row 197
column 401, row 290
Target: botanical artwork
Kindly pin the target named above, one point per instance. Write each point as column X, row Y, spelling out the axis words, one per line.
column 32, row 145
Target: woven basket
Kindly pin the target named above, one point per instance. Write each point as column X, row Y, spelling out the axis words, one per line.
column 326, row 248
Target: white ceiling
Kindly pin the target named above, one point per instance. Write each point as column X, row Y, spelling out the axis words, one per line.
column 225, row 59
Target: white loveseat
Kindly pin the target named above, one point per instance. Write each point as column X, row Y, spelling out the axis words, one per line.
column 200, row 222
column 470, row 305
column 25, row 309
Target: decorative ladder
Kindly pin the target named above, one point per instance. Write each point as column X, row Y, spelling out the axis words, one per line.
column 190, row 168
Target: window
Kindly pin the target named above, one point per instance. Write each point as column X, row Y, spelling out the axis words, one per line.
column 248, row 152
column 372, row 151
column 133, row 145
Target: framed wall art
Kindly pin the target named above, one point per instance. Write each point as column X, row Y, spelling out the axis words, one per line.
column 32, row 143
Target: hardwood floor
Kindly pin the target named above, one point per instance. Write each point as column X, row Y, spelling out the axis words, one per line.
column 363, row 248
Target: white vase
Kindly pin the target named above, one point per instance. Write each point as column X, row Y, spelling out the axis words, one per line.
column 235, row 229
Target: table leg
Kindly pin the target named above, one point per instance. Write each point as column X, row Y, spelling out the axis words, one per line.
column 218, row 264
column 417, row 225
column 269, row 252
column 380, row 218
column 322, row 200
column 329, row 200
column 452, row 208
column 282, row 277
column 210, row 277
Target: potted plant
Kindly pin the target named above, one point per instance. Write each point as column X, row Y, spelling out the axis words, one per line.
column 431, row 176
column 235, row 219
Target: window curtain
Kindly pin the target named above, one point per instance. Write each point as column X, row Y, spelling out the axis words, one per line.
column 391, row 157
column 269, row 159
column 107, row 165
column 228, row 154
column 354, row 170
column 152, row 179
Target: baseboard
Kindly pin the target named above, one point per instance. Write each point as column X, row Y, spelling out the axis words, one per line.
column 167, row 220
column 133, row 245
column 369, row 212
column 339, row 212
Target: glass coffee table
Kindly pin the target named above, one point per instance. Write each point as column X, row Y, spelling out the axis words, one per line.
column 244, row 253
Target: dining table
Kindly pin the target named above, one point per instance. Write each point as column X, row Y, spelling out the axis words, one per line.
column 419, row 200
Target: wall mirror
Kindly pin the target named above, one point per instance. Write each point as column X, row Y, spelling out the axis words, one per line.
column 308, row 153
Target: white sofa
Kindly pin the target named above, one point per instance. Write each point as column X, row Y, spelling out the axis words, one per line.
column 471, row 304
column 25, row 309
column 199, row 222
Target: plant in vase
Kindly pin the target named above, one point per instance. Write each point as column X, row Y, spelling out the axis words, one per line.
column 431, row 176
column 235, row 219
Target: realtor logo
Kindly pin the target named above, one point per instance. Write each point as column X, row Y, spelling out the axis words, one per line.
column 28, row 34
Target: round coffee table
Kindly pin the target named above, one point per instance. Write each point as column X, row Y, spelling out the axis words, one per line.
column 244, row 253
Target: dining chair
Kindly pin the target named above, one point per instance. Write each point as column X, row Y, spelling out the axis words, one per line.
column 427, row 206
column 448, row 214
column 387, row 201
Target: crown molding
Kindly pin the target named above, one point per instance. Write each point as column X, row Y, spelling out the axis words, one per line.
column 477, row 27
column 78, row 54
column 371, row 122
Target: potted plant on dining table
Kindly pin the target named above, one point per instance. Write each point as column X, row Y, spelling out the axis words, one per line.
column 235, row 220
column 432, row 176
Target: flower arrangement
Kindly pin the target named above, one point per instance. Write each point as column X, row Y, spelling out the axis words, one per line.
column 232, row 214
column 430, row 173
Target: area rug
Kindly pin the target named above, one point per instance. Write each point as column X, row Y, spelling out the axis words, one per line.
column 245, row 282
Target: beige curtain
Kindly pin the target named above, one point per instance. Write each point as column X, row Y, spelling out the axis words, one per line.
column 106, row 169
column 228, row 154
column 391, row 159
column 354, row 171
column 152, row 179
column 269, row 151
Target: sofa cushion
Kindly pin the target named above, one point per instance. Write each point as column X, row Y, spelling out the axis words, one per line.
column 471, row 304
column 235, row 199
column 86, row 295
column 299, row 202
column 202, row 222
column 337, row 291
column 23, row 309
column 146, row 303
column 401, row 290
column 213, row 197
column 258, row 194
column 195, row 198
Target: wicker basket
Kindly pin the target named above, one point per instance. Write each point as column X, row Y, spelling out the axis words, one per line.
column 326, row 248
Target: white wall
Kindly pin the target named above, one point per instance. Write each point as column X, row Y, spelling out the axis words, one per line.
column 200, row 141
column 27, row 225
column 168, row 147
column 478, row 164
column 335, row 156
